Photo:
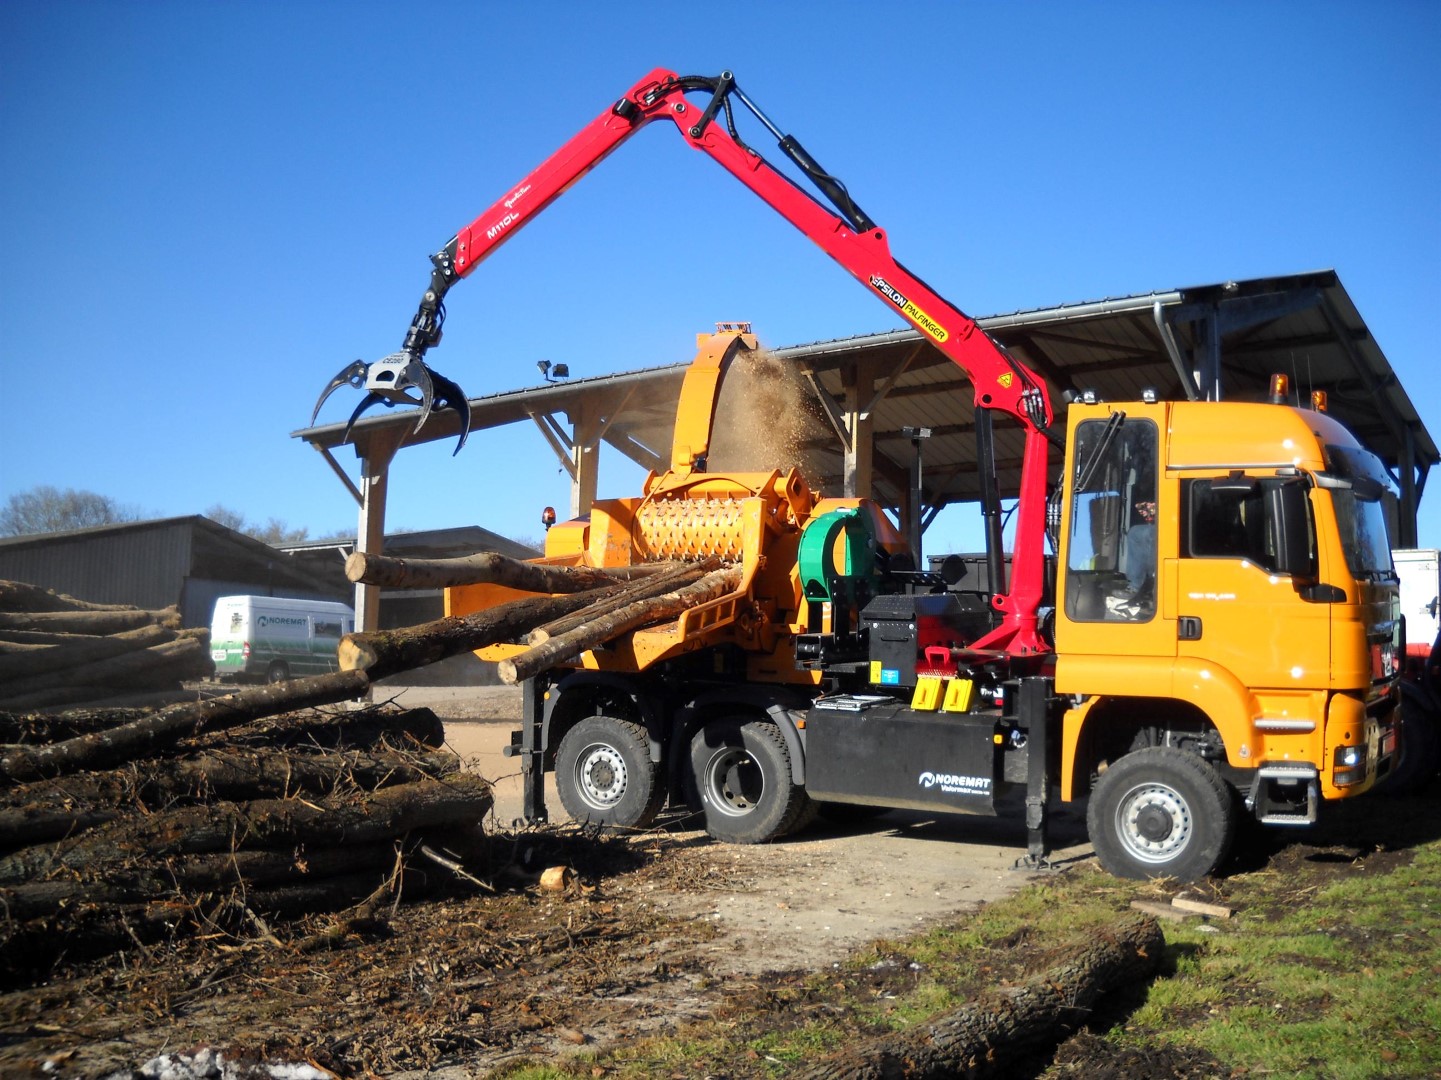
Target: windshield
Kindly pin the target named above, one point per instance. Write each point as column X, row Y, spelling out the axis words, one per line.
column 1362, row 523
column 1360, row 510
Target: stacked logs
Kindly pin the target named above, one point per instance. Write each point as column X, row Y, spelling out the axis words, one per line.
column 220, row 817
column 582, row 609
column 59, row 651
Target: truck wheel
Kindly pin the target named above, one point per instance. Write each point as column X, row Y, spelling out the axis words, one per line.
column 278, row 671
column 604, row 774
column 743, row 772
column 1161, row 812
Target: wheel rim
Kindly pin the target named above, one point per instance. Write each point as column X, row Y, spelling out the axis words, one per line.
column 734, row 781
column 1154, row 823
column 600, row 775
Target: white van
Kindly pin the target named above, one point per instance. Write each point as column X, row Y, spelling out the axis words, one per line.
column 272, row 638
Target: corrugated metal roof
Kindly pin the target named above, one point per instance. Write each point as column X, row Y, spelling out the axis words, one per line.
column 1304, row 325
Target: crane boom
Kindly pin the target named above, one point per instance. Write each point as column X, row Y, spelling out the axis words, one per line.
column 842, row 230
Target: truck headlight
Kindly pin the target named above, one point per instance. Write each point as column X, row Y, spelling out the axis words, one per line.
column 1349, row 765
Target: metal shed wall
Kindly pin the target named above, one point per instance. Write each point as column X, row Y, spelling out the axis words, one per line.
column 141, row 566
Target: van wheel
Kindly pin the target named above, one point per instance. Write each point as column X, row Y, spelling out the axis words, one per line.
column 743, row 772
column 278, row 671
column 1161, row 812
column 604, row 774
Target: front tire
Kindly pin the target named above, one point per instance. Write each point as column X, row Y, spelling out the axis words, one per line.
column 1161, row 812
column 742, row 770
column 604, row 774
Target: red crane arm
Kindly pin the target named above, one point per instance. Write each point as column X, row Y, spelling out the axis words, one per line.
column 1001, row 382
column 846, row 234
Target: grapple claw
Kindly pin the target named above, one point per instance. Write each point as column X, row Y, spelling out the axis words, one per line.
column 387, row 381
column 353, row 373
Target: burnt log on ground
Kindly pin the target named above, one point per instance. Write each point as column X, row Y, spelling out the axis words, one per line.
column 88, row 622
column 598, row 631
column 388, row 652
column 112, row 747
column 359, row 818
column 83, row 650
column 988, row 1037
column 487, row 568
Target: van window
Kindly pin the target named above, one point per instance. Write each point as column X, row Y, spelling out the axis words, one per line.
column 327, row 629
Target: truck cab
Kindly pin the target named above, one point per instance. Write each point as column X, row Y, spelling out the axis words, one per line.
column 1225, row 588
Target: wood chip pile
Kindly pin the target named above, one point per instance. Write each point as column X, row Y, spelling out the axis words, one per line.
column 59, row 651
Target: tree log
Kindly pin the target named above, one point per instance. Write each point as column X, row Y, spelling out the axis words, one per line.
column 16, row 648
column 88, row 622
column 139, row 737
column 360, row 729
column 21, row 596
column 488, row 567
column 363, row 818
column 107, row 698
column 568, row 646
column 67, row 806
column 388, row 652
column 41, row 637
column 641, row 590
column 168, row 662
column 84, row 651
column 33, row 727
column 985, row 1038
column 147, row 879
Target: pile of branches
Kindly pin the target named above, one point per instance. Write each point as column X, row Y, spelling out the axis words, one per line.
column 58, row 651
column 234, row 817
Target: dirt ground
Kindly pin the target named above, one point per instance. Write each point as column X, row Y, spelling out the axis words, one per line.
column 649, row 931
column 803, row 903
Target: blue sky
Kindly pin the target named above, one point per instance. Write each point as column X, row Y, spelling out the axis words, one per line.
column 206, row 209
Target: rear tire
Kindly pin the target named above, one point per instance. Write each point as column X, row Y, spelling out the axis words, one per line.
column 604, row 774
column 743, row 773
column 277, row 672
column 1161, row 812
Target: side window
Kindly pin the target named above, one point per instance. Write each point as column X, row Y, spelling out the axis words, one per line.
column 1112, row 548
column 1228, row 520
column 327, row 629
column 1222, row 525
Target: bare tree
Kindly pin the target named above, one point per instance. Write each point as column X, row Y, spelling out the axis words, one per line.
column 47, row 509
column 274, row 532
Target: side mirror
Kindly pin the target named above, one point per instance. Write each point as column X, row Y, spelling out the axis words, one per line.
column 1288, row 524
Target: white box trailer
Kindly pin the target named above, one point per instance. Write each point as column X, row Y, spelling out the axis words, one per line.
column 1420, row 573
column 273, row 638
